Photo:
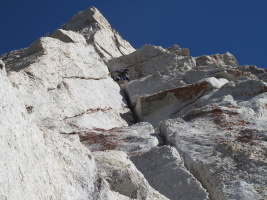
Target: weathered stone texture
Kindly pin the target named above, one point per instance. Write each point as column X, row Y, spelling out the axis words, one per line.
column 165, row 104
column 123, row 176
column 223, row 144
column 132, row 140
column 165, row 171
column 151, row 59
column 40, row 164
column 65, row 83
column 57, row 99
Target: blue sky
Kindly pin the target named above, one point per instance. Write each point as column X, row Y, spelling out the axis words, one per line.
column 205, row 27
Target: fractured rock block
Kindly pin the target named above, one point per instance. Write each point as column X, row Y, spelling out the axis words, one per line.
column 162, row 105
column 68, row 36
column 149, row 60
column 221, row 145
column 123, row 176
column 164, row 169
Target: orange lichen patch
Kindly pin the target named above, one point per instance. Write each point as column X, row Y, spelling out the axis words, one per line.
column 220, row 118
column 98, row 139
column 245, row 138
column 183, row 94
column 105, row 142
column 250, row 136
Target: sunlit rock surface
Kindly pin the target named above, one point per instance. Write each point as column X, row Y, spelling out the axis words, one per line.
column 65, row 85
column 97, row 31
column 123, row 176
column 223, row 141
column 132, row 140
column 41, row 164
column 165, row 171
column 202, row 133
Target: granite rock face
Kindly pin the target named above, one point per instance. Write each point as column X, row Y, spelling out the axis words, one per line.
column 165, row 171
column 167, row 103
column 132, row 140
column 58, row 103
column 163, row 82
column 223, row 140
column 57, row 85
column 123, row 176
column 150, row 59
column 40, row 164
column 65, row 85
column 209, row 108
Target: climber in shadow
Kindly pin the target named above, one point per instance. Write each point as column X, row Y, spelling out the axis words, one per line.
column 120, row 75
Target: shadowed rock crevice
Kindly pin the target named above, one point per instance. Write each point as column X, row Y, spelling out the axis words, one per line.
column 130, row 105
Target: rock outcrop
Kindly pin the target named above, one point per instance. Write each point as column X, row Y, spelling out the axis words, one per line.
column 41, row 164
column 65, row 85
column 165, row 171
column 123, row 176
column 132, row 140
column 98, row 32
column 69, row 131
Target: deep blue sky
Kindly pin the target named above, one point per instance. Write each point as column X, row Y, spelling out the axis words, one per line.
column 205, row 27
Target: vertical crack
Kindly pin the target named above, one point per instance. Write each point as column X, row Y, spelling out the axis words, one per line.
column 117, row 43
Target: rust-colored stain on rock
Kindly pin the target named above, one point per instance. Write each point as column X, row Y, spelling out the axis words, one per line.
column 182, row 94
column 106, row 142
column 220, row 118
